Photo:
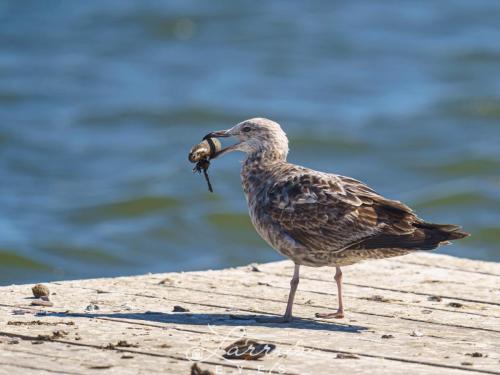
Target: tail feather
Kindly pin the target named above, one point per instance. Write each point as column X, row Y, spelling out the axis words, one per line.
column 426, row 236
column 453, row 232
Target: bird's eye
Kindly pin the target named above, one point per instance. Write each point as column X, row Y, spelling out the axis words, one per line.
column 246, row 129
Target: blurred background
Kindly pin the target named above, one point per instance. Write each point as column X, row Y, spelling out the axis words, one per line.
column 100, row 102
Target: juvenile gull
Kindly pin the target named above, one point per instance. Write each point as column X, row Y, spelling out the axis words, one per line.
column 321, row 219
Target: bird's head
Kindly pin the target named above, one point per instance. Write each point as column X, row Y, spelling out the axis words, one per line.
column 257, row 135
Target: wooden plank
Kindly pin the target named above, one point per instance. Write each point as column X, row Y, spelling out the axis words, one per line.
column 426, row 281
column 427, row 336
column 300, row 363
column 450, row 262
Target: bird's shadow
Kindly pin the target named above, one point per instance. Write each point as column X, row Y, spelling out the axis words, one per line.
column 230, row 320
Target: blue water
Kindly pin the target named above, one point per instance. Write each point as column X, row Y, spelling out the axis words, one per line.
column 101, row 101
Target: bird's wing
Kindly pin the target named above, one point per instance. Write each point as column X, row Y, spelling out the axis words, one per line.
column 330, row 212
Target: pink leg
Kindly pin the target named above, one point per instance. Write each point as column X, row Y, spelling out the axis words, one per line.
column 294, row 283
column 340, row 312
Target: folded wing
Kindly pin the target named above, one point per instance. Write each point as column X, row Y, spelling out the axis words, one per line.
column 330, row 212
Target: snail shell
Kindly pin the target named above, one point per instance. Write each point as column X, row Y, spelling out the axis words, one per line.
column 204, row 150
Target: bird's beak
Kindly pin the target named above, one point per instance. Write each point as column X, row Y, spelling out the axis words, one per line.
column 218, row 134
column 222, row 134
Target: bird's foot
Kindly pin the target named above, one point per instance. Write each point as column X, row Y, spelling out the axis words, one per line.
column 337, row 315
column 275, row 319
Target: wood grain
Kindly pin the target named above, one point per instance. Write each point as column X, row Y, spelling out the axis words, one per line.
column 418, row 314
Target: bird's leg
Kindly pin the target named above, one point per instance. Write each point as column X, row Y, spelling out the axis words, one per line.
column 294, row 283
column 340, row 312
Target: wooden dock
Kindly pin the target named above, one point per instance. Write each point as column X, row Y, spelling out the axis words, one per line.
column 418, row 314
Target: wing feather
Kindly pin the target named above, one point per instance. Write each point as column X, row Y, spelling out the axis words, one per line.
column 328, row 212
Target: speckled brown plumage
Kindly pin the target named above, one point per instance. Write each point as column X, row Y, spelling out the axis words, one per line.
column 321, row 219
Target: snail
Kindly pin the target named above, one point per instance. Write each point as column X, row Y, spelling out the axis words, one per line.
column 204, row 150
column 201, row 155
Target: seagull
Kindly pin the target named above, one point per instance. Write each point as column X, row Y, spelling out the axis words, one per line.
column 321, row 219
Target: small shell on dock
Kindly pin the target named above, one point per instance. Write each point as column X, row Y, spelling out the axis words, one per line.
column 248, row 349
column 41, row 302
column 40, row 290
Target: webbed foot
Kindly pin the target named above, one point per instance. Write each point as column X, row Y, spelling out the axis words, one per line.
column 337, row 315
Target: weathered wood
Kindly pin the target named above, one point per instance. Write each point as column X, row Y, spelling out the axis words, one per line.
column 436, row 310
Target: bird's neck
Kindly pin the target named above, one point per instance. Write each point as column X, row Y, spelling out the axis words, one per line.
column 258, row 168
column 264, row 158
